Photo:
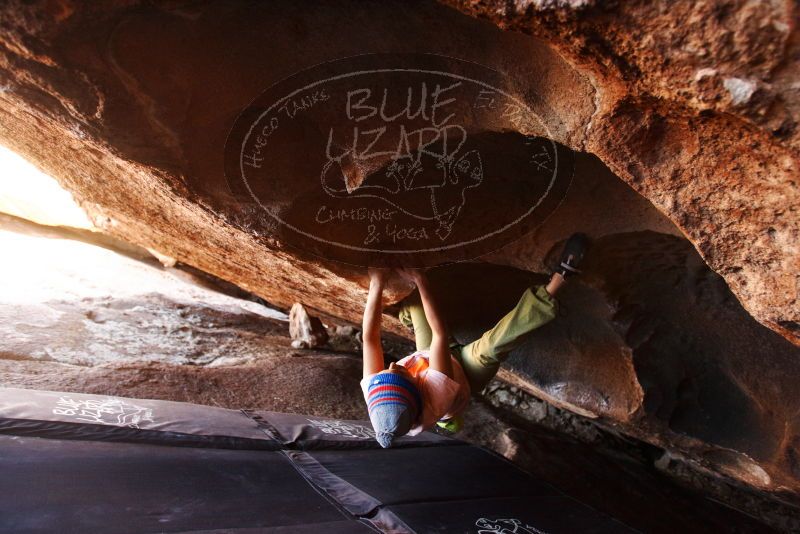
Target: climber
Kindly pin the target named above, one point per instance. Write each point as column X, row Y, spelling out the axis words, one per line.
column 433, row 385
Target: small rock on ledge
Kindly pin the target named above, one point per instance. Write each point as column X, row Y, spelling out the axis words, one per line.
column 307, row 332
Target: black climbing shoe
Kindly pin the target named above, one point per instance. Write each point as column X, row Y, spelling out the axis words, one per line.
column 574, row 250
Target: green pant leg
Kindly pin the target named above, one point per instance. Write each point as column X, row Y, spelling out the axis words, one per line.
column 412, row 314
column 482, row 358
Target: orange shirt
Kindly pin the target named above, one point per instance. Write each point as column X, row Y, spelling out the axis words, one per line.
column 442, row 397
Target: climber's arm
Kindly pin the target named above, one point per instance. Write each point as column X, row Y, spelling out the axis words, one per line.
column 371, row 327
column 440, row 340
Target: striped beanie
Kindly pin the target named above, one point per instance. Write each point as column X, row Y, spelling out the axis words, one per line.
column 394, row 403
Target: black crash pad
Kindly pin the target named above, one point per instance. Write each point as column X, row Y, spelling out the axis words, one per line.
column 91, row 463
column 308, row 432
column 103, row 418
column 69, row 486
column 438, row 474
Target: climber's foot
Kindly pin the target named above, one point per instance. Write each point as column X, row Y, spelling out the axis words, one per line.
column 572, row 255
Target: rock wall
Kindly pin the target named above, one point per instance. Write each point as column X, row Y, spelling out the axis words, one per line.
column 697, row 108
column 129, row 106
column 692, row 105
column 652, row 343
column 149, row 93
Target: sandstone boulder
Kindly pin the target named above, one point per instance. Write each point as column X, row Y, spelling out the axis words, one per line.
column 141, row 150
column 697, row 108
column 682, row 120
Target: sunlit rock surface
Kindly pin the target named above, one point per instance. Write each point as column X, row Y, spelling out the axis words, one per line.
column 28, row 193
column 72, row 302
column 80, row 317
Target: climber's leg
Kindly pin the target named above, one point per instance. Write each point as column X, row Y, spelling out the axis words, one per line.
column 413, row 316
column 482, row 358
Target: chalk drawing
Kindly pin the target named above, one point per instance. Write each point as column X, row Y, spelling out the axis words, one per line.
column 343, row 429
column 505, row 526
column 108, row 411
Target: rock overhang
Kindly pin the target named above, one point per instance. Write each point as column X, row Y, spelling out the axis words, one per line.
column 129, row 106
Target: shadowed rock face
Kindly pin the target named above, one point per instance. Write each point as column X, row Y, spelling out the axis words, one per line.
column 653, row 341
column 128, row 105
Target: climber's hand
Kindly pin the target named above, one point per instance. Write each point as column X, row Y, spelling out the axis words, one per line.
column 378, row 276
column 412, row 275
